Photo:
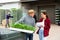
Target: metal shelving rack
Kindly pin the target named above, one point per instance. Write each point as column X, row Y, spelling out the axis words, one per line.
column 57, row 16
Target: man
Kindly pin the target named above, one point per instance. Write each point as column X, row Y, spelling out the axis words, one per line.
column 8, row 16
column 35, row 18
column 29, row 20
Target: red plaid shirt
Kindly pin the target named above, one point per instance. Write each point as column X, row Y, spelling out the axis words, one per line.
column 47, row 26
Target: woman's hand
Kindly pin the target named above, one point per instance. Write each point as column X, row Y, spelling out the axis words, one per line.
column 41, row 26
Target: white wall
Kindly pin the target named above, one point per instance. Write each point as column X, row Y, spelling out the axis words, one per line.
column 3, row 1
column 9, row 6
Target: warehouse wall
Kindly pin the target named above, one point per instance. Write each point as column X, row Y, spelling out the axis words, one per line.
column 48, row 7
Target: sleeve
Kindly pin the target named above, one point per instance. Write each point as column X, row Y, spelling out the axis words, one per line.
column 34, row 22
column 47, row 26
column 20, row 20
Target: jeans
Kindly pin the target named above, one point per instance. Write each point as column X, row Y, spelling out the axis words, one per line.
column 41, row 34
column 29, row 36
column 7, row 23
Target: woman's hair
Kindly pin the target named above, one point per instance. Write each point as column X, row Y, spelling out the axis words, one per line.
column 45, row 13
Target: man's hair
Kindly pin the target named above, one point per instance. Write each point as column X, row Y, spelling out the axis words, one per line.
column 31, row 11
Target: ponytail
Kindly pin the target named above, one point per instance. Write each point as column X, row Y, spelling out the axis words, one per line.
column 45, row 14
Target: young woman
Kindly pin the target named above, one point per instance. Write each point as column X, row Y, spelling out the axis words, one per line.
column 44, row 30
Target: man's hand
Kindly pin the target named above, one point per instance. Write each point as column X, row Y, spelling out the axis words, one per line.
column 37, row 28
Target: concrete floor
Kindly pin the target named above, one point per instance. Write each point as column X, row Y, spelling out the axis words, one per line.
column 54, row 33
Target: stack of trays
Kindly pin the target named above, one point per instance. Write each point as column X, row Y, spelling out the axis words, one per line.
column 6, row 34
column 22, row 30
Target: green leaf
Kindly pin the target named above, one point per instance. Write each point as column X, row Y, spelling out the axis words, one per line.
column 23, row 26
